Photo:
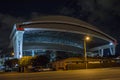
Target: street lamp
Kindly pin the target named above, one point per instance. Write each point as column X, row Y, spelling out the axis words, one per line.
column 86, row 38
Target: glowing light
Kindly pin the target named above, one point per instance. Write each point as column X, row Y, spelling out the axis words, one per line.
column 20, row 29
column 20, row 56
column 87, row 38
column 12, row 53
column 111, row 43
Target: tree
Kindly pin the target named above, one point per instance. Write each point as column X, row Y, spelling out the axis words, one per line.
column 25, row 61
column 41, row 60
column 11, row 63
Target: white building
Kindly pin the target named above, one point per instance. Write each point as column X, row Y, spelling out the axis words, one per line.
column 58, row 33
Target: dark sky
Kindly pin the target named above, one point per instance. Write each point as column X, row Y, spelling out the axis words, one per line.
column 25, row 8
column 104, row 14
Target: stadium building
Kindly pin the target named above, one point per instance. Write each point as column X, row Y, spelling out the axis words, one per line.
column 59, row 33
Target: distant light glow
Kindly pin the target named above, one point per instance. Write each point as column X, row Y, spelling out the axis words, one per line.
column 111, row 43
column 12, row 53
column 20, row 56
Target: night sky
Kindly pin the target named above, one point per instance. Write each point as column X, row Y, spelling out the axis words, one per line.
column 104, row 14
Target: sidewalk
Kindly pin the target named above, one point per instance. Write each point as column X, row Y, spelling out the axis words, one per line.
column 9, row 72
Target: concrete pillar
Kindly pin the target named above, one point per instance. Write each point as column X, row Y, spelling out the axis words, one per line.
column 112, row 50
column 53, row 56
column 111, row 47
column 33, row 53
column 101, row 52
column 18, row 44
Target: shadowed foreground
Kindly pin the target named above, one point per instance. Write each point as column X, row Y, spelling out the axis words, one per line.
column 89, row 74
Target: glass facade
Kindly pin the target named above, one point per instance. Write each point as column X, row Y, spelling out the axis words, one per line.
column 33, row 52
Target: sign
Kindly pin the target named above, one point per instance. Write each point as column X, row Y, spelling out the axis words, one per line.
column 20, row 29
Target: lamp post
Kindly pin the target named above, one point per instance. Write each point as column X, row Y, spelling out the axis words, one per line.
column 87, row 38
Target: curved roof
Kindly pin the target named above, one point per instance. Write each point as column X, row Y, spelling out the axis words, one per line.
column 66, row 24
column 64, row 19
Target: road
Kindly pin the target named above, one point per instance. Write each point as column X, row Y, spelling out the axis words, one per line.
column 89, row 74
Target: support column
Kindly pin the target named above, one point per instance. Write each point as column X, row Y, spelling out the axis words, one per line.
column 33, row 54
column 18, row 44
column 112, row 50
column 111, row 47
column 53, row 56
column 101, row 52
